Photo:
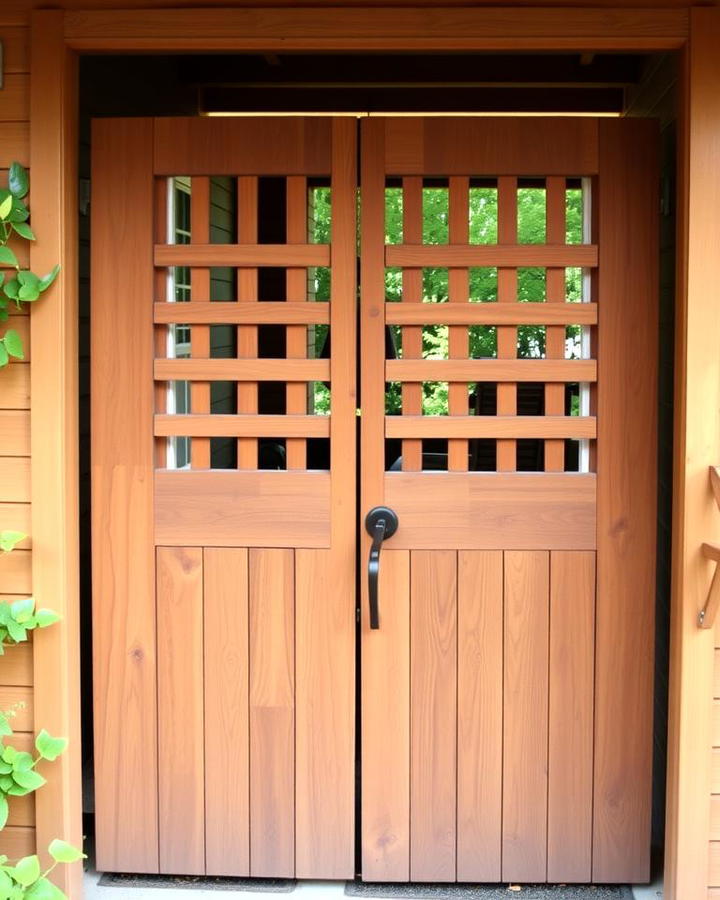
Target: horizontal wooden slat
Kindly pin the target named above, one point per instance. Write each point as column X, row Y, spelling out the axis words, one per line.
column 16, row 387
column 513, row 370
column 715, row 776
column 715, row 818
column 15, row 98
column 21, row 324
column 16, row 517
column 502, row 256
column 492, row 511
column 16, row 573
column 242, row 509
column 242, row 426
column 15, row 479
column 246, row 255
column 251, row 313
column 20, row 701
column 490, row 427
column 16, row 48
column 491, row 313
column 714, row 864
column 716, row 675
column 14, row 432
column 242, row 369
column 22, row 809
column 16, row 842
column 15, row 144
column 16, row 665
column 716, row 724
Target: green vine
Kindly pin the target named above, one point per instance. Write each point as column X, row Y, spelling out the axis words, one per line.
column 24, row 286
column 25, row 879
column 19, row 617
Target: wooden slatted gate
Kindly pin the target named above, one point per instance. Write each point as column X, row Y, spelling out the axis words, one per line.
column 508, row 418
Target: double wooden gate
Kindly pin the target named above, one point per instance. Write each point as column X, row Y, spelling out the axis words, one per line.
column 506, row 415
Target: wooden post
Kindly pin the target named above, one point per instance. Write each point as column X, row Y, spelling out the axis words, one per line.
column 697, row 446
column 54, row 442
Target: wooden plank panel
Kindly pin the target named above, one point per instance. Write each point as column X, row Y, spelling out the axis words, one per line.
column 241, row 425
column 22, row 809
column 15, row 479
column 17, row 665
column 200, row 334
column 556, row 191
column 181, row 710
column 15, row 98
column 325, row 724
column 715, row 726
column 480, row 313
column 412, row 296
column 15, row 143
column 16, row 569
column 227, row 799
column 433, row 715
column 296, row 336
column 16, row 842
column 507, row 292
column 18, row 700
column 714, row 864
column 16, row 517
column 247, row 292
column 245, row 312
column 272, row 713
column 715, row 818
column 252, row 509
column 627, row 428
column 500, row 255
column 14, row 432
column 20, row 323
column 715, row 771
column 473, row 370
column 458, row 294
column 525, row 720
column 570, row 743
column 385, row 708
column 491, row 426
column 16, row 48
column 16, row 387
column 500, row 511
column 247, row 255
column 480, row 715
column 243, row 370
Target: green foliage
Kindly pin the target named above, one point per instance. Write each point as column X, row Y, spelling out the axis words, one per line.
column 20, row 617
column 20, row 286
column 25, row 879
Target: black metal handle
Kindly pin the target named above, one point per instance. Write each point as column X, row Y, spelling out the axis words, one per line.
column 380, row 523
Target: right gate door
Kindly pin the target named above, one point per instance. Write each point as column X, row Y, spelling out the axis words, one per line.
column 509, row 334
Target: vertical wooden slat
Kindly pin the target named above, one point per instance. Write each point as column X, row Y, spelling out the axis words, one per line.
column 227, row 773
column 480, row 715
column 412, row 292
column 626, row 502
column 124, row 629
column 386, row 728
column 507, row 334
column 296, row 281
column 555, row 334
column 247, row 335
column 325, row 635
column 433, row 703
column 525, row 727
column 181, row 762
column 272, row 713
column 458, row 336
column 570, row 743
column 160, row 295
column 200, row 334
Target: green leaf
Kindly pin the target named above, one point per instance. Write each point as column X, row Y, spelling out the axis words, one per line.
column 6, row 207
column 63, row 852
column 7, row 258
column 4, row 315
column 16, row 790
column 28, row 293
column 6, row 782
column 49, row 747
column 31, row 780
column 47, row 617
column 11, row 288
column 4, row 358
column 48, row 279
column 44, row 889
column 27, row 870
column 18, row 180
column 3, row 810
column 9, row 539
column 5, row 728
column 23, row 762
column 13, row 344
column 9, row 754
column 24, row 230
column 5, row 768
column 22, row 609
column 16, row 631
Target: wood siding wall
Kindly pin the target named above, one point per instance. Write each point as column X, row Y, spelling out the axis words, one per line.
column 16, row 667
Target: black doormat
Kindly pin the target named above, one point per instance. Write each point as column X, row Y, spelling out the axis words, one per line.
column 488, row 891
column 198, row 882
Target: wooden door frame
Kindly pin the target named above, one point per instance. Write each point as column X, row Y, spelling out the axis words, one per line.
column 59, row 36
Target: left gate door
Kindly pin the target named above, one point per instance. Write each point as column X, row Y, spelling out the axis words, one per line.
column 223, row 494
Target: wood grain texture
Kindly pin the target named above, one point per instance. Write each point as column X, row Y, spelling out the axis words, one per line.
column 244, row 312
column 219, row 425
column 272, row 713
column 16, row 842
column 480, row 716
column 200, row 399
column 15, row 479
column 482, row 314
column 385, row 710
column 525, row 718
column 477, row 370
column 17, row 665
column 501, row 255
column 16, row 387
column 14, row 432
column 252, row 509
column 412, row 296
column 122, row 452
column 433, row 715
column 627, row 428
column 492, row 512
column 570, row 740
column 225, row 639
column 181, row 723
column 242, row 369
column 491, row 426
column 242, row 255
column 19, row 701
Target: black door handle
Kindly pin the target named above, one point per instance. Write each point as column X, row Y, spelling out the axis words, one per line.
column 380, row 523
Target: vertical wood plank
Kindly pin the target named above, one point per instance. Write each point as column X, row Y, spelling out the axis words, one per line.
column 386, row 727
column 555, row 334
column 124, row 630
column 181, row 763
column 227, row 764
column 247, row 335
column 433, row 703
column 200, row 334
column 507, row 334
column 412, row 292
column 272, row 713
column 525, row 726
column 480, row 715
column 458, row 335
column 570, row 742
column 297, row 337
column 626, row 498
